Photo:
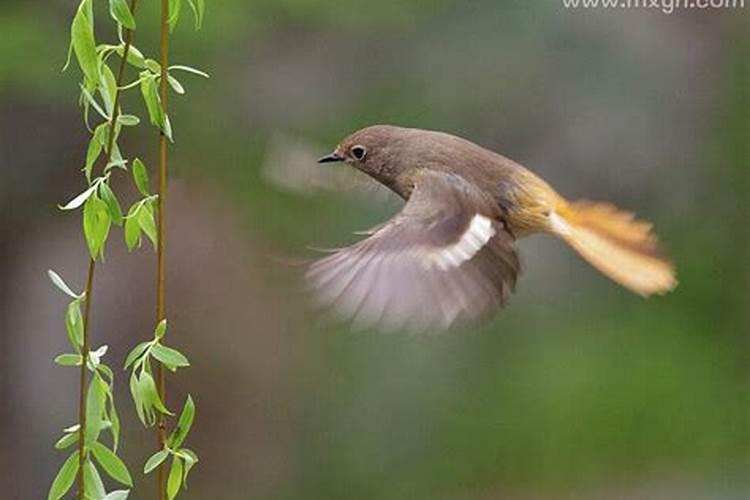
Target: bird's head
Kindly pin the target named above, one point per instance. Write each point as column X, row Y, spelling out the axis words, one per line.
column 372, row 150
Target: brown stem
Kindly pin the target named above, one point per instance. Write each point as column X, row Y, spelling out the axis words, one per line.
column 82, row 392
column 161, row 267
column 92, row 268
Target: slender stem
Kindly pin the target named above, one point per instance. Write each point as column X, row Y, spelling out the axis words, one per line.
column 161, row 267
column 82, row 388
column 92, row 268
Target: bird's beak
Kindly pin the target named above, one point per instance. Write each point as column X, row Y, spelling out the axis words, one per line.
column 335, row 156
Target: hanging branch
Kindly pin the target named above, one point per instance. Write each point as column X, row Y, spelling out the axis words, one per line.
column 161, row 257
column 149, row 392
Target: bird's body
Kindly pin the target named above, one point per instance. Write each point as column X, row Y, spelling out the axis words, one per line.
column 449, row 254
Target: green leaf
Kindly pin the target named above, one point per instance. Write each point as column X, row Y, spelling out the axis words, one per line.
column 108, row 89
column 115, row 421
column 171, row 358
column 183, row 424
column 140, row 176
column 149, row 394
column 69, row 360
column 88, row 100
column 112, row 464
column 65, row 478
column 117, row 495
column 82, row 40
column 93, row 485
column 153, row 103
column 199, row 9
column 136, row 353
column 108, row 196
column 96, row 145
column 120, row 12
column 174, row 481
column 155, row 460
column 96, row 224
column 132, row 228
column 128, row 120
column 174, row 13
column 60, row 283
column 190, row 459
column 135, row 56
column 79, row 200
column 161, row 329
column 139, row 404
column 189, row 69
column 175, row 84
column 67, row 440
column 94, row 411
column 74, row 325
column 147, row 223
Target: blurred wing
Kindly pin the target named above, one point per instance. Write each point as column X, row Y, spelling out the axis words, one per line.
column 445, row 257
column 289, row 165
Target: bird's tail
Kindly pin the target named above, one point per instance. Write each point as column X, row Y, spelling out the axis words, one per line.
column 615, row 243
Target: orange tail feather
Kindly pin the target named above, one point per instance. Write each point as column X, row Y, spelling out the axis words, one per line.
column 617, row 244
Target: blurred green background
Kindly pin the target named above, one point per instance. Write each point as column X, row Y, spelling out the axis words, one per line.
column 577, row 390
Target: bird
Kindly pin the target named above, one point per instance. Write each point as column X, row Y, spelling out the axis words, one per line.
column 449, row 255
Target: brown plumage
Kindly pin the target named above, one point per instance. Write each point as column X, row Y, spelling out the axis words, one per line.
column 449, row 255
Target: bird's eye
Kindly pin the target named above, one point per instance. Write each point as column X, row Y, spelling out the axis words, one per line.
column 358, row 152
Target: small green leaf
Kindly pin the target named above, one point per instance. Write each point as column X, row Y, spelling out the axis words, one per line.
column 94, row 410
column 134, row 391
column 69, row 360
column 112, row 464
column 161, row 329
column 140, row 176
column 132, row 228
column 82, row 40
column 115, row 421
column 199, row 9
column 60, row 283
column 171, row 358
column 155, row 460
column 117, row 495
column 135, row 56
column 96, row 145
column 189, row 69
column 65, row 478
column 79, row 200
column 147, row 223
column 120, row 12
column 93, row 485
column 88, row 100
column 151, row 98
column 66, row 440
column 174, row 481
column 96, row 224
column 175, row 84
column 149, row 394
column 136, row 353
column 108, row 196
column 183, row 424
column 128, row 120
column 108, row 88
column 174, row 13
column 190, row 460
column 74, row 325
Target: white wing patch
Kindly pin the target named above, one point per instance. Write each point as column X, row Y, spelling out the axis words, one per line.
column 477, row 234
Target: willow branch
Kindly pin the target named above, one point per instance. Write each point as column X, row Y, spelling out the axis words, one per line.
column 161, row 261
column 89, row 292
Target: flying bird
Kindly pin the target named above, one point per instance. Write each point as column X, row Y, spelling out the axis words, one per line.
column 449, row 255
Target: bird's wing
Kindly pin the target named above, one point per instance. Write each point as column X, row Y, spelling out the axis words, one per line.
column 447, row 256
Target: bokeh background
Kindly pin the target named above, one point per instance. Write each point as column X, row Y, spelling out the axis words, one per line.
column 578, row 390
